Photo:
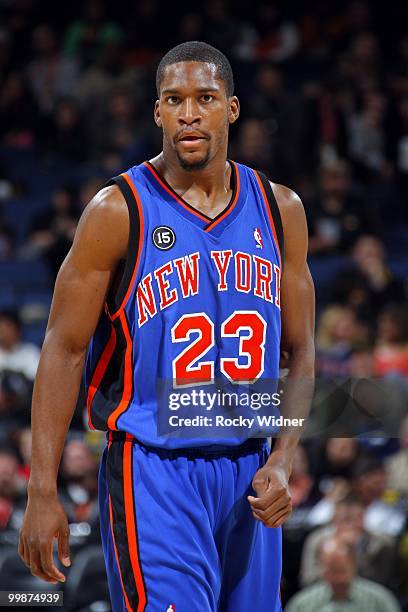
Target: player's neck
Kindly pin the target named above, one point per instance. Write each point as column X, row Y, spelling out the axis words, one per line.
column 213, row 181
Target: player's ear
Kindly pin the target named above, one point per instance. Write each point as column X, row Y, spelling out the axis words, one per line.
column 157, row 118
column 233, row 110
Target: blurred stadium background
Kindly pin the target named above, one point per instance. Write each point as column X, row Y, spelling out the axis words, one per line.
column 324, row 97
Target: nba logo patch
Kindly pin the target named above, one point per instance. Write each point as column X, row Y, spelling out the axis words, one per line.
column 171, row 608
column 258, row 238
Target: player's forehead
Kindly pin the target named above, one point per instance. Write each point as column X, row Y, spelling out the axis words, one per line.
column 191, row 76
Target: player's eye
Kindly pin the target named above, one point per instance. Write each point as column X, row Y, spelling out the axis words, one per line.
column 207, row 98
column 172, row 100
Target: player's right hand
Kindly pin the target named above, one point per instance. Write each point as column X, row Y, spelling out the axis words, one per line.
column 44, row 520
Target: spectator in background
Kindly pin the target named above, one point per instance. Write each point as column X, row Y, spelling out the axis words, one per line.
column 7, row 239
column 21, row 16
column 268, row 98
column 338, row 331
column 324, row 136
column 281, row 119
column 362, row 361
column 18, row 112
column 339, row 214
column 350, row 288
column 269, row 37
column 304, row 493
column 368, row 138
column 86, row 39
column 398, row 137
column 335, row 459
column 122, row 129
column 391, row 351
column 403, row 569
column 368, row 253
column 9, row 187
column 16, row 355
column 12, row 489
column 219, row 25
column 357, row 20
column 79, row 483
column 145, row 24
column 368, row 284
column 50, row 75
column 62, row 134
column 303, row 488
column 52, row 231
column 397, row 465
column 326, row 32
column 340, row 587
column 6, row 57
column 23, row 440
column 191, row 27
column 378, row 406
column 375, row 554
column 400, row 66
column 15, row 401
column 382, row 513
column 363, row 62
column 334, row 491
column 253, row 146
column 98, row 80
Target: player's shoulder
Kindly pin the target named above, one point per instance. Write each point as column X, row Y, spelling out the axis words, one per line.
column 119, row 203
column 108, row 206
column 292, row 212
column 104, row 225
column 288, row 201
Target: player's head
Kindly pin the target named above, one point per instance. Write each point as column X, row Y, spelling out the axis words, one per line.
column 196, row 103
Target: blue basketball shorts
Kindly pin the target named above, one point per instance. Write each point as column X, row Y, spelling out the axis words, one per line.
column 178, row 534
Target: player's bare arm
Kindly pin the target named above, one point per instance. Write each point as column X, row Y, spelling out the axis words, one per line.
column 81, row 287
column 273, row 503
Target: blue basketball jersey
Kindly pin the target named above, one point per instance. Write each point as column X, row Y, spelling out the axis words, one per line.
column 198, row 301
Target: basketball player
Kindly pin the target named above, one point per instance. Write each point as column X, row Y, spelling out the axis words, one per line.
column 185, row 267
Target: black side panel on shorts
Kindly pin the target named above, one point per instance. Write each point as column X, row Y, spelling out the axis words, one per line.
column 115, row 480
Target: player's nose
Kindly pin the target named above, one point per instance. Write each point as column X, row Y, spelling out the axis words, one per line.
column 189, row 111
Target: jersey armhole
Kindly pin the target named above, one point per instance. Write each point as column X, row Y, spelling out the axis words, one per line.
column 116, row 295
column 275, row 213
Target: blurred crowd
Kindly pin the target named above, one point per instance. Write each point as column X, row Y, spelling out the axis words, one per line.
column 324, row 99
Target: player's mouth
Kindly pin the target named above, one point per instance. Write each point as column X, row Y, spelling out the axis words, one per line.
column 191, row 138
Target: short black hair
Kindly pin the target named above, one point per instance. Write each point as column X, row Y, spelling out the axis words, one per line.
column 366, row 464
column 8, row 451
column 197, row 51
column 12, row 316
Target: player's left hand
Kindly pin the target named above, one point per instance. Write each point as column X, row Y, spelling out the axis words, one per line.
column 273, row 503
